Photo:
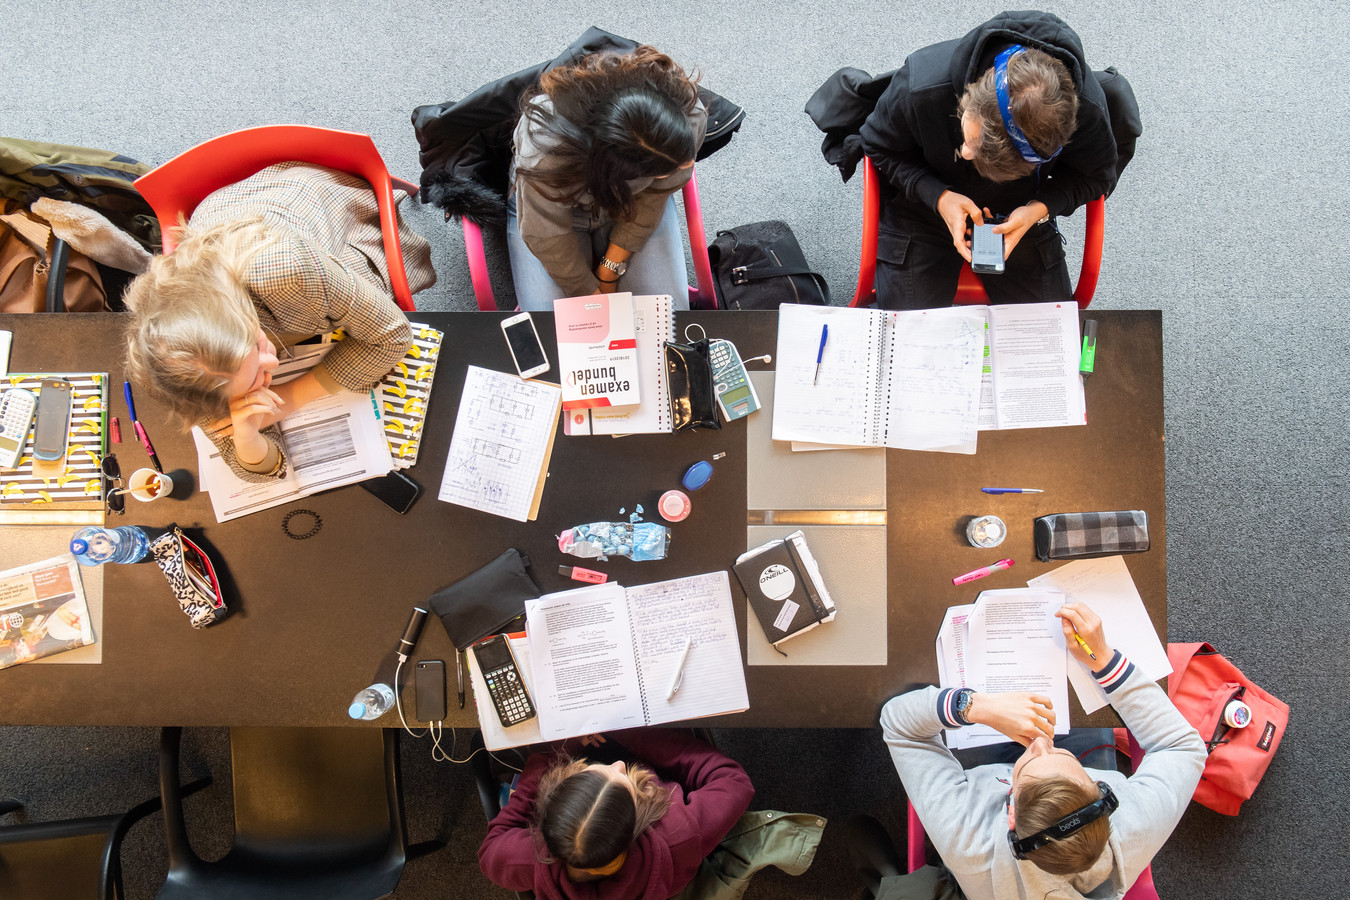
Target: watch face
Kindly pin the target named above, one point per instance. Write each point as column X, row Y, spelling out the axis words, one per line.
column 618, row 268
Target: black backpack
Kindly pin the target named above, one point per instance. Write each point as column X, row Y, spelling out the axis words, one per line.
column 761, row 266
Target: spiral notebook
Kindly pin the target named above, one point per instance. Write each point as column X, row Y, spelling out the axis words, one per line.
column 68, row 490
column 605, row 657
column 653, row 324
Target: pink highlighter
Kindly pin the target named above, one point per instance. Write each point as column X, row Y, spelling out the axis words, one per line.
column 983, row 572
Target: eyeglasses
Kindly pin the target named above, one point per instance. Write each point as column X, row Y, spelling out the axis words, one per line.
column 113, row 497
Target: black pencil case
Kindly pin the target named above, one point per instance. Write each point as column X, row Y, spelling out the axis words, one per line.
column 1087, row 534
column 689, row 383
column 486, row 602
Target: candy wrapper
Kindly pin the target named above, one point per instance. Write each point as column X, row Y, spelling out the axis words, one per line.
column 601, row 540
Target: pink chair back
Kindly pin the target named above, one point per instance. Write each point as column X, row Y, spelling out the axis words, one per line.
column 702, row 294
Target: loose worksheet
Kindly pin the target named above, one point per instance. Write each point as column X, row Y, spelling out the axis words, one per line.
column 585, row 674
column 503, row 438
column 1105, row 586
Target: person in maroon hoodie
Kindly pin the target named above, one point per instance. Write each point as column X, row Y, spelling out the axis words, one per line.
column 581, row 830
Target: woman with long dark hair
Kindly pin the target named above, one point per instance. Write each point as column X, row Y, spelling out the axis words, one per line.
column 600, row 149
column 576, row 829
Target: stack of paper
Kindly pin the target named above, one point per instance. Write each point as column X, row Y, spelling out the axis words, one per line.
column 1007, row 640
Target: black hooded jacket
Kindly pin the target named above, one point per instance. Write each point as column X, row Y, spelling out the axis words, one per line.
column 914, row 137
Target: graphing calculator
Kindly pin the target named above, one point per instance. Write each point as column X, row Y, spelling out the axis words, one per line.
column 735, row 394
column 16, row 417
column 504, row 683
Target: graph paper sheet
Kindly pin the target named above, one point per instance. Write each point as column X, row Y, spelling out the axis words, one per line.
column 502, row 443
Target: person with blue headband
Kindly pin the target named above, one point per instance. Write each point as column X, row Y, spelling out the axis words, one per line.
column 1007, row 124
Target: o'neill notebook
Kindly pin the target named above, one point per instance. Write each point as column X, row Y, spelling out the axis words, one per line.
column 597, row 351
column 783, row 583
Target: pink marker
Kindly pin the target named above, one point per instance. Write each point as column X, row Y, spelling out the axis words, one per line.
column 577, row 573
column 984, row 572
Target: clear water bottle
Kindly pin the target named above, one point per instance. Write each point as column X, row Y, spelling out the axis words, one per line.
column 93, row 545
column 372, row 703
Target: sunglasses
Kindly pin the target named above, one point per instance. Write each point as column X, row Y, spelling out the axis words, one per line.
column 113, row 497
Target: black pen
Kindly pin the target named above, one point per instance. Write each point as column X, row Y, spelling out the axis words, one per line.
column 459, row 674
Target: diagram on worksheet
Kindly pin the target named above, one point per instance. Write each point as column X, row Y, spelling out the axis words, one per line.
column 502, row 443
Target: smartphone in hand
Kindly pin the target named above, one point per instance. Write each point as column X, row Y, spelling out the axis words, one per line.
column 986, row 251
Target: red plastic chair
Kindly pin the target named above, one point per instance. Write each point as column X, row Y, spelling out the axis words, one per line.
column 969, row 289
column 701, row 296
column 186, row 180
column 1142, row 889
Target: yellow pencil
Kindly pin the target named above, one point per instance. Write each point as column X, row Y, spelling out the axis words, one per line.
column 1082, row 643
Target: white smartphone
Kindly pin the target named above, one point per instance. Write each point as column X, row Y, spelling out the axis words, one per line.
column 523, row 342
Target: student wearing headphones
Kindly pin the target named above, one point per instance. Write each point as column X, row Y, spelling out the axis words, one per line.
column 637, row 827
column 1039, row 825
column 1007, row 123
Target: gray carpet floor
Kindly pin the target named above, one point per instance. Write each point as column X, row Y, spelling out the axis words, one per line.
column 1223, row 221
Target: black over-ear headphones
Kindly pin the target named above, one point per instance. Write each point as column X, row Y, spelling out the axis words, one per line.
column 1074, row 821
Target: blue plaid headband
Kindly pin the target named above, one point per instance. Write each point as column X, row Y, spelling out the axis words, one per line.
column 1004, row 107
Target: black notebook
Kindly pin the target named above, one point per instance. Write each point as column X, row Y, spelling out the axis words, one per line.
column 785, row 589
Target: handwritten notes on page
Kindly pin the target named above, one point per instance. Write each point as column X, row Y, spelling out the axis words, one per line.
column 909, row 380
column 1105, row 586
column 503, row 440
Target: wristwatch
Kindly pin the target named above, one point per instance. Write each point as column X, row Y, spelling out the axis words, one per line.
column 963, row 701
column 618, row 268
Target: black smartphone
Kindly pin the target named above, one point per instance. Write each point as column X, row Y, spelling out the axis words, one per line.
column 429, row 681
column 502, row 676
column 986, row 251
column 395, row 490
column 53, row 419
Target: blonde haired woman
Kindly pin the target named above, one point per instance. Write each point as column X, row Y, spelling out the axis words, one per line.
column 289, row 253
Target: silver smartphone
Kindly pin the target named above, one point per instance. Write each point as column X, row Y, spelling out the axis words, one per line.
column 53, row 419
column 523, row 342
column 986, row 251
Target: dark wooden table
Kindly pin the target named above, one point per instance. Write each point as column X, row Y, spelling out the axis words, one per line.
column 315, row 619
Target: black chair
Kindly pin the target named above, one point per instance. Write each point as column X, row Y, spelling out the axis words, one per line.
column 317, row 813
column 71, row 859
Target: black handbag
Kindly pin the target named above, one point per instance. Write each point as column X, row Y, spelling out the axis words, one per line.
column 487, row 601
column 761, row 266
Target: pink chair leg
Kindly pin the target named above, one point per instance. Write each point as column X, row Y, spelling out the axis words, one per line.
column 914, row 855
column 478, row 271
column 703, row 295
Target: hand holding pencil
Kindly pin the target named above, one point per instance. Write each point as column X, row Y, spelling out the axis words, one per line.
column 1083, row 633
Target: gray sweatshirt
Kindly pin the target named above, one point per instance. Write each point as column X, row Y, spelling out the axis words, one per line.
column 964, row 814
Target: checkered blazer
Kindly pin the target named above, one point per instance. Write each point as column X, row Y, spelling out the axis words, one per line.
column 327, row 271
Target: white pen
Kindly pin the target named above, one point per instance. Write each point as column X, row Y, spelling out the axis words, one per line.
column 679, row 669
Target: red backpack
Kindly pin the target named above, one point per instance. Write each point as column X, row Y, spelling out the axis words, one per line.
column 1202, row 683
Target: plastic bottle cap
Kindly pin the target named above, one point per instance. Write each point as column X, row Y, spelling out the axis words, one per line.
column 674, row 506
column 697, row 475
column 357, row 710
column 79, row 546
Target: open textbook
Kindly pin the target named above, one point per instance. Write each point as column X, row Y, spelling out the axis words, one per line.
column 335, row 440
column 924, row 379
column 604, row 657
column 1007, row 640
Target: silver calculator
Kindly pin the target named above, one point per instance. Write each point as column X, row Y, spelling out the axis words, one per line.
column 16, row 418
column 735, row 394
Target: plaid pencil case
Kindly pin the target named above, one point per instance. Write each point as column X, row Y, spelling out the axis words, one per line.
column 1087, row 534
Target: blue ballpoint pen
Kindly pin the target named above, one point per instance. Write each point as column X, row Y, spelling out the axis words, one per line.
column 820, row 354
column 1012, row 490
column 131, row 406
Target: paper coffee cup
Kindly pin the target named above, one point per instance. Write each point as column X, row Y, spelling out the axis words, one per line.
column 147, row 484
